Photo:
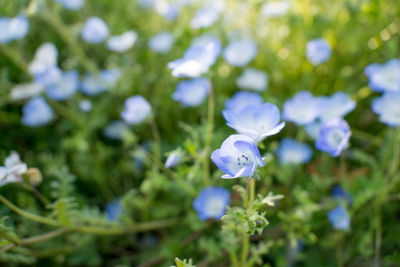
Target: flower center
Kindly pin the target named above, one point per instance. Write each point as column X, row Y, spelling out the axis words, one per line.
column 243, row 161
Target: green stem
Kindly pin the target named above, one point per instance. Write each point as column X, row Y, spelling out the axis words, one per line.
column 208, row 136
column 233, row 257
column 366, row 137
column 252, row 192
column 245, row 249
column 378, row 236
column 339, row 253
column 393, row 167
column 15, row 59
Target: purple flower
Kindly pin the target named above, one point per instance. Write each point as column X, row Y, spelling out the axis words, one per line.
column 191, row 93
column 95, row 30
column 318, row 51
column 255, row 121
column 339, row 218
column 239, row 53
column 301, row 109
column 388, row 108
column 333, row 136
column 384, row 77
column 36, row 112
column 237, row 157
column 211, row 203
column 292, row 152
column 136, row 109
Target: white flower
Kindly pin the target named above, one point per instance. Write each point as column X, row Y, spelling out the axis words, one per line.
column 13, row 169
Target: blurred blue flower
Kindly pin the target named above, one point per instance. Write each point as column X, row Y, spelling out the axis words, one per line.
column 196, row 60
column 166, row 9
column 253, row 79
column 161, row 42
column 240, row 52
column 318, row 51
column 13, row 28
column 384, row 77
column 292, row 152
column 36, row 112
column 27, row 90
column 191, row 93
column 49, row 77
column 85, row 105
column 95, row 30
column 301, row 109
column 275, row 9
column 113, row 210
column 333, row 136
column 64, row 87
column 123, row 42
column 339, row 193
column 94, row 84
column 336, row 106
column 173, row 159
column 72, row 4
column 312, row 129
column 116, row 130
column 339, row 218
column 388, row 108
column 13, row 169
column 255, row 121
column 45, row 57
column 240, row 100
column 206, row 16
column 237, row 157
column 211, row 203
column 136, row 109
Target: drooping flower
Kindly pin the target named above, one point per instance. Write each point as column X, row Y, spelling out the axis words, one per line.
column 173, row 159
column 161, row 42
column 339, row 218
column 339, row 193
column 191, row 93
column 196, row 60
column 388, row 108
column 65, row 87
column 239, row 53
column 72, row 4
column 318, row 51
column 240, row 100
column 211, row 203
column 292, row 152
column 275, row 9
column 94, row 84
column 12, row 170
column 13, row 28
column 255, row 121
column 206, row 16
column 237, row 157
column 136, row 109
column 116, row 130
column 36, row 112
column 301, row 109
column 253, row 79
column 336, row 106
column 123, row 42
column 333, row 136
column 384, row 77
column 95, row 30
column 85, row 105
column 113, row 210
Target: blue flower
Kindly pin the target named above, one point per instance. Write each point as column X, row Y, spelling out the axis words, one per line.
column 240, row 52
column 301, row 109
column 36, row 112
column 237, row 157
column 136, row 109
column 211, row 203
column 388, row 108
column 292, row 152
column 339, row 218
column 384, row 77
column 255, row 121
column 173, row 159
column 72, row 4
column 333, row 136
column 168, row 10
column 312, row 129
column 123, row 42
column 85, row 105
column 161, row 42
column 253, row 79
column 196, row 60
column 206, row 16
column 45, row 57
column 336, row 106
column 116, row 130
column 49, row 76
column 95, row 30
column 113, row 210
column 318, row 51
column 94, row 84
column 65, row 87
column 339, row 193
column 275, row 9
column 240, row 100
column 191, row 93
column 13, row 28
